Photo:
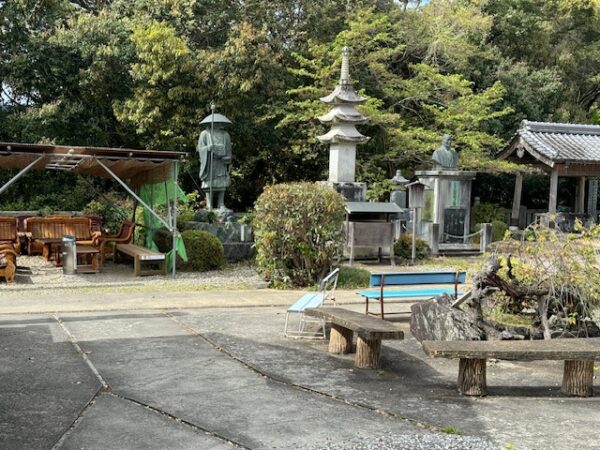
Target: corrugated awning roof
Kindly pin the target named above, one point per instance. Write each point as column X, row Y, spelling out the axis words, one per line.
column 137, row 166
column 554, row 143
column 372, row 207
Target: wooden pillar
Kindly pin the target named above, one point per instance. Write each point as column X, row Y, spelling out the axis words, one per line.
column 580, row 202
column 514, row 216
column 340, row 339
column 592, row 199
column 472, row 377
column 578, row 379
column 368, row 350
column 553, row 190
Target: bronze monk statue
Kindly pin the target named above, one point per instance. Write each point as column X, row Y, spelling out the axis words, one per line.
column 214, row 147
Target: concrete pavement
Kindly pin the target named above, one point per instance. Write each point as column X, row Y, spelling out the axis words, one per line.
column 212, row 370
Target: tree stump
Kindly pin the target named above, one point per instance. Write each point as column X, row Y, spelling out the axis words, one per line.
column 578, row 379
column 367, row 352
column 340, row 339
column 472, row 377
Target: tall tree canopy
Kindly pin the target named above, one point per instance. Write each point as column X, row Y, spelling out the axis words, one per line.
column 142, row 73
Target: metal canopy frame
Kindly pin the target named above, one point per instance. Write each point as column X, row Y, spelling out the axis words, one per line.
column 69, row 159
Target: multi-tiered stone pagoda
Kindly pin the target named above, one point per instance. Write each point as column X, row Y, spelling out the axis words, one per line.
column 343, row 136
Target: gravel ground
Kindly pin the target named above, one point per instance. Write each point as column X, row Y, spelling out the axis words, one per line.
column 34, row 272
column 420, row 442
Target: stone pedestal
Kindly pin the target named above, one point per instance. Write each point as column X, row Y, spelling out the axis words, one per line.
column 448, row 202
column 236, row 238
column 342, row 162
column 352, row 192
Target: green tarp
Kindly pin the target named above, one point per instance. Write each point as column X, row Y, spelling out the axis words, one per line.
column 160, row 196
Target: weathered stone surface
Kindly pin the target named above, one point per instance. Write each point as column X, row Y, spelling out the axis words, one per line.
column 436, row 320
column 226, row 232
column 238, row 251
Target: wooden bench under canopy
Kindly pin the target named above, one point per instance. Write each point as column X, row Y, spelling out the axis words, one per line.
column 143, row 256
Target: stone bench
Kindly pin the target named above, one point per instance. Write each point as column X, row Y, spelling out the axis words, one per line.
column 578, row 354
column 370, row 332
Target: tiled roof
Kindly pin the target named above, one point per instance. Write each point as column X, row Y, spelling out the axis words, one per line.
column 562, row 142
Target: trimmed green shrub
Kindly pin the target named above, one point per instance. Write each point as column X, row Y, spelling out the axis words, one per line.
column 298, row 231
column 163, row 239
column 498, row 230
column 204, row 250
column 486, row 213
column 403, row 248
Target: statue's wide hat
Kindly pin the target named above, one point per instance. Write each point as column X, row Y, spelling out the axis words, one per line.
column 215, row 118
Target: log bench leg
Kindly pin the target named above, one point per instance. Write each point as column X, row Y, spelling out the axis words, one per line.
column 472, row 377
column 367, row 352
column 578, row 379
column 340, row 339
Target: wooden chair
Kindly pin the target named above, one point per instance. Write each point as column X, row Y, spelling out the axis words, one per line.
column 8, row 262
column 108, row 244
column 8, row 233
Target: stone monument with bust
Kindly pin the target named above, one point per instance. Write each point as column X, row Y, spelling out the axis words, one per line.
column 445, row 157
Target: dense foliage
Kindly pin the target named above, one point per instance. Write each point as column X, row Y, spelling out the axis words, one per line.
column 551, row 273
column 298, row 231
column 141, row 73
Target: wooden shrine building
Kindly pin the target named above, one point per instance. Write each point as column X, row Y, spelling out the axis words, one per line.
column 561, row 150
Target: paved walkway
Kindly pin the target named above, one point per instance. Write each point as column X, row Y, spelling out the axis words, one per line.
column 211, row 370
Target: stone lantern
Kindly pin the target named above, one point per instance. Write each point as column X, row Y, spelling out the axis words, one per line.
column 398, row 194
column 343, row 136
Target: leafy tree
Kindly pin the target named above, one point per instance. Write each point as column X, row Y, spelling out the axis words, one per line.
column 164, row 101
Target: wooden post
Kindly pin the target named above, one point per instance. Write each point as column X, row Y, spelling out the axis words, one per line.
column 553, row 191
column 580, row 203
column 340, row 339
column 578, row 379
column 514, row 216
column 592, row 200
column 472, row 377
column 367, row 352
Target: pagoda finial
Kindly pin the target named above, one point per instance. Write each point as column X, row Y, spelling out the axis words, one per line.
column 345, row 75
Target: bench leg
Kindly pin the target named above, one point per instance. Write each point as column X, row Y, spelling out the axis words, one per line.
column 578, row 379
column 137, row 269
column 472, row 377
column 340, row 339
column 368, row 351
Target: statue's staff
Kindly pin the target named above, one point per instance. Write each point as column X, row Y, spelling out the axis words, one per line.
column 211, row 149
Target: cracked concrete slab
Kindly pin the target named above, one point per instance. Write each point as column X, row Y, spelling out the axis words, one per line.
column 213, row 391
column 158, row 358
column 115, row 423
column 524, row 408
column 44, row 383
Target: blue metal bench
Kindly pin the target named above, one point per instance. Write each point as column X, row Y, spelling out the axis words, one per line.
column 312, row 300
column 383, row 280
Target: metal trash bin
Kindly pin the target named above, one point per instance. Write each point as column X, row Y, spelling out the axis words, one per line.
column 69, row 255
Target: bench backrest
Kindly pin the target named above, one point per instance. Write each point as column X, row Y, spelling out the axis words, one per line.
column 8, row 229
column 80, row 227
column 328, row 285
column 57, row 227
column 412, row 278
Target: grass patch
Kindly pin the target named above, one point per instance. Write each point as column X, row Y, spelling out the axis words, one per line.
column 451, row 430
column 353, row 278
